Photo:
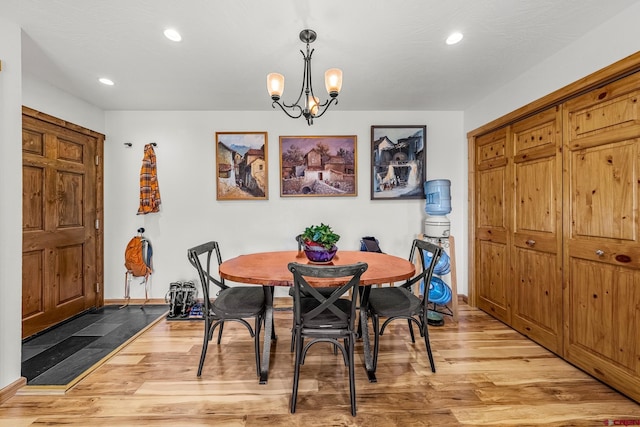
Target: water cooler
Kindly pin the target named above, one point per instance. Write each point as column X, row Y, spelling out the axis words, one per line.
column 436, row 227
column 437, row 206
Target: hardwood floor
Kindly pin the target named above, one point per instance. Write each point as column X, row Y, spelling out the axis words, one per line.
column 487, row 374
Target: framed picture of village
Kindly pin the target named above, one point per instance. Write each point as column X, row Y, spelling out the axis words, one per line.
column 318, row 166
column 398, row 162
column 241, row 166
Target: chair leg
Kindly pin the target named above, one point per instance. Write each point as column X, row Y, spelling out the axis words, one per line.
column 352, row 378
column 205, row 345
column 296, row 371
column 375, row 320
column 273, row 328
column 425, row 333
column 220, row 327
column 256, row 339
column 413, row 338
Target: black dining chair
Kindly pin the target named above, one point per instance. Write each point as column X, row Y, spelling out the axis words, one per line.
column 324, row 291
column 400, row 302
column 229, row 303
column 331, row 319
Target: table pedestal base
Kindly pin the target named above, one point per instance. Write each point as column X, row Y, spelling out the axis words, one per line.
column 269, row 334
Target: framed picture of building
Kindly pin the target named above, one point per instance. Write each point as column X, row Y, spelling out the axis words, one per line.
column 398, row 162
column 241, row 166
column 320, row 166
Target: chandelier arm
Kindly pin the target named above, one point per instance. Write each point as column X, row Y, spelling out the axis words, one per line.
column 327, row 103
column 309, row 86
column 282, row 107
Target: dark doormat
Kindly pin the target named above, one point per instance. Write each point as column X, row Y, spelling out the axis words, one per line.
column 62, row 355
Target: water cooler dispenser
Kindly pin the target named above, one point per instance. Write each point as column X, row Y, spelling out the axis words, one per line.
column 436, row 228
column 437, row 206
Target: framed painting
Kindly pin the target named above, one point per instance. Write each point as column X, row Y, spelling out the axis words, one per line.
column 398, row 162
column 320, row 166
column 241, row 166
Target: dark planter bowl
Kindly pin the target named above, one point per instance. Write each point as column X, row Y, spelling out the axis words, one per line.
column 319, row 254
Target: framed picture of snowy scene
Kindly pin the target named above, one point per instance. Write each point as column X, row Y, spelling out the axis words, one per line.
column 241, row 166
column 398, row 162
column 319, row 166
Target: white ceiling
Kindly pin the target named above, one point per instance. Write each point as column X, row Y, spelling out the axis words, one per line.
column 392, row 53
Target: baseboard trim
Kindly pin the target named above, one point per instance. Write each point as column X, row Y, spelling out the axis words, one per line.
column 123, row 301
column 9, row 391
column 278, row 302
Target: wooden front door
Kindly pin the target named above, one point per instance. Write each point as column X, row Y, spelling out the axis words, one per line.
column 61, row 220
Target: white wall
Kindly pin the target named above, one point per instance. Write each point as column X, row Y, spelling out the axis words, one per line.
column 11, row 208
column 611, row 41
column 43, row 97
column 190, row 213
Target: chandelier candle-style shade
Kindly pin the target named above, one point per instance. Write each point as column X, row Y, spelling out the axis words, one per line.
column 311, row 107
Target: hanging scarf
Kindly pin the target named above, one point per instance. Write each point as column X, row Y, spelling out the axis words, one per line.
column 149, row 190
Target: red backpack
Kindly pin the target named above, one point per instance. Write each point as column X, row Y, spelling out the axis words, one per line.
column 137, row 257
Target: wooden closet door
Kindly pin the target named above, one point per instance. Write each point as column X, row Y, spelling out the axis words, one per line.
column 536, row 252
column 492, row 199
column 602, row 232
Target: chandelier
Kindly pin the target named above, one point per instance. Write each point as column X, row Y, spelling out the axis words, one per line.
column 311, row 107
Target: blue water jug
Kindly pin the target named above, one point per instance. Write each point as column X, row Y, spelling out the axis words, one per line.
column 438, row 195
column 439, row 292
column 443, row 266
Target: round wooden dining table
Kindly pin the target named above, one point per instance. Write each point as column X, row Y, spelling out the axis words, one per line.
column 270, row 269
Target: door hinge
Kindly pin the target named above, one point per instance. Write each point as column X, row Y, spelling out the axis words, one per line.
column 97, row 288
column 97, row 224
column 97, row 160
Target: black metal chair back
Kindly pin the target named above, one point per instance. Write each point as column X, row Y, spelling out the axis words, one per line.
column 322, row 318
column 323, row 291
column 233, row 304
column 401, row 302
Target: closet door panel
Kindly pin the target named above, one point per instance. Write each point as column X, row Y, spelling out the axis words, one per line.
column 493, row 279
column 537, row 304
column 537, row 249
column 492, row 221
column 602, row 247
column 603, row 338
column 603, row 182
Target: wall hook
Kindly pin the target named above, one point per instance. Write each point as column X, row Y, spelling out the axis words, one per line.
column 128, row 144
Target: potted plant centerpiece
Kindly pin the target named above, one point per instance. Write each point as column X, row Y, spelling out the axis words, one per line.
column 319, row 243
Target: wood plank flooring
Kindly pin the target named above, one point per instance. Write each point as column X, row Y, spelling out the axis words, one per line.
column 487, row 374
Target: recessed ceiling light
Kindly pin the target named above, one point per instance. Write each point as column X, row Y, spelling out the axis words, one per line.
column 105, row 81
column 172, row 35
column 454, row 38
